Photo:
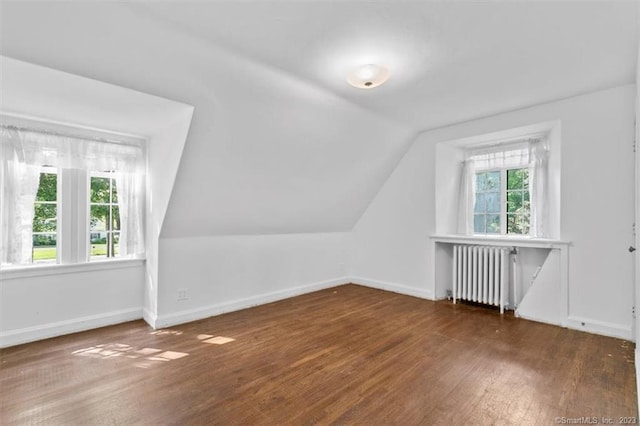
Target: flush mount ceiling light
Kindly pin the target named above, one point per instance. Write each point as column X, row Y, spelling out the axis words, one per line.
column 368, row 76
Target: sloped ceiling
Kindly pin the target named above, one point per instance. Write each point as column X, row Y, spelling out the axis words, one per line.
column 279, row 143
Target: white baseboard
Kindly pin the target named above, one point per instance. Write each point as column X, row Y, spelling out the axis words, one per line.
column 149, row 317
column 189, row 315
column 600, row 327
column 393, row 287
column 39, row 332
column 538, row 318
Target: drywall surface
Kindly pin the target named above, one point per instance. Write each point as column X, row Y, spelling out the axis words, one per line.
column 225, row 273
column 48, row 304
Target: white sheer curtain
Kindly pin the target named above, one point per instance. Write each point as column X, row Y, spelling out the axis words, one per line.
column 466, row 197
column 539, row 187
column 24, row 152
column 510, row 155
column 131, row 203
column 18, row 187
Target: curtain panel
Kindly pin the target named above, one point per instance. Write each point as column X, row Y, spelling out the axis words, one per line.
column 24, row 152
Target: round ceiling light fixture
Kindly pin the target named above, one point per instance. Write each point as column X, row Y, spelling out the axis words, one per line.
column 368, row 76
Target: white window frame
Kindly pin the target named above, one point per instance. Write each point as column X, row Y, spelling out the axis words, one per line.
column 503, row 200
column 111, row 177
column 56, row 171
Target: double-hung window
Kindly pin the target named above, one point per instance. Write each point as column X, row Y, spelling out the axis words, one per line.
column 68, row 199
column 503, row 188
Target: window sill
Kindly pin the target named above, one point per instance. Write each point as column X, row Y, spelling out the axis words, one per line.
column 501, row 240
column 17, row 272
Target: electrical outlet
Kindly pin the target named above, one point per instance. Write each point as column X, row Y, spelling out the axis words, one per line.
column 183, row 294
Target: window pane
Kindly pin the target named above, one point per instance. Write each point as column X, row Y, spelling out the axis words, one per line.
column 514, row 224
column 514, row 201
column 493, row 181
column 44, row 247
column 479, row 206
column 114, row 191
column 526, row 227
column 99, row 218
column 481, row 182
column 493, row 224
column 518, row 178
column 99, row 247
column 115, row 218
column 116, row 244
column 100, row 188
column 44, row 218
column 48, row 187
column 493, row 202
column 105, row 244
column 478, row 224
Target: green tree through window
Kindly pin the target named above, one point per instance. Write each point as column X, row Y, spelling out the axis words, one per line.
column 45, row 217
column 104, row 222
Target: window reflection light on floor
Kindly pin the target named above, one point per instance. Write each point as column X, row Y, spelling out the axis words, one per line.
column 146, row 356
column 219, row 340
column 166, row 332
column 112, row 350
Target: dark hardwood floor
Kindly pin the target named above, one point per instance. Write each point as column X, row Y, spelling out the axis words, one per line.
column 347, row 355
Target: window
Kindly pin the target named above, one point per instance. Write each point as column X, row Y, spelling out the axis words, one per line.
column 67, row 199
column 45, row 217
column 503, row 188
column 104, row 219
column 486, row 209
column 518, row 202
column 501, row 204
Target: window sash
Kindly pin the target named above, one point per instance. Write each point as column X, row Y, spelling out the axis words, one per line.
column 503, row 201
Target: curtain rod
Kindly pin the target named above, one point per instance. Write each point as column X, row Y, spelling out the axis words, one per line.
column 68, row 135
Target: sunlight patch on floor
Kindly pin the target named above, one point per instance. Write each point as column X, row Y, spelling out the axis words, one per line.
column 219, row 340
column 147, row 356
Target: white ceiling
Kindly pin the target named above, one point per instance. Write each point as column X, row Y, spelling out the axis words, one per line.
column 449, row 61
column 279, row 143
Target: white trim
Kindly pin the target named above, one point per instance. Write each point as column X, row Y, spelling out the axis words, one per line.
column 40, row 270
column 501, row 240
column 394, row 287
column 149, row 317
column 620, row 331
column 59, row 328
column 185, row 316
column 74, row 129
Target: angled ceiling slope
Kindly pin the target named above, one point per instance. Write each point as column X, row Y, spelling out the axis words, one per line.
column 266, row 152
column 279, row 143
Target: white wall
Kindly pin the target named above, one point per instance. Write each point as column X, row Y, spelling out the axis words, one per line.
column 391, row 240
column 597, row 208
column 47, row 303
column 225, row 273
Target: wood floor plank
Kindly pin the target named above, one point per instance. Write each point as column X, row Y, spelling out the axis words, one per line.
column 346, row 355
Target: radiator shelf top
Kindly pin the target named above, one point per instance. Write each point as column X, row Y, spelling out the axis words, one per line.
column 505, row 241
